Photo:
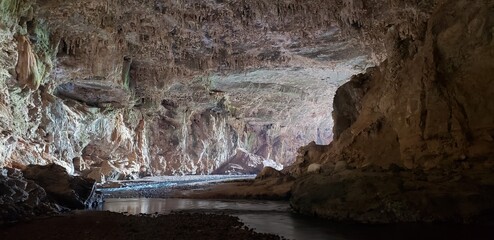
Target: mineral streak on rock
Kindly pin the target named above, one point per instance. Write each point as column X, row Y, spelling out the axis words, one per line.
column 170, row 87
column 199, row 87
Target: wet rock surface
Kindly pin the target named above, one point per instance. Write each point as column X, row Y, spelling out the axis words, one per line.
column 106, row 225
column 41, row 191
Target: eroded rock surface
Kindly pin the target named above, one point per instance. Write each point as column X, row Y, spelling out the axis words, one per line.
column 375, row 195
column 192, row 87
column 426, row 109
column 173, row 88
column 41, row 191
column 68, row 191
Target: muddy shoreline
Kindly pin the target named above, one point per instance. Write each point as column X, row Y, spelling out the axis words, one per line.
column 88, row 225
column 91, row 224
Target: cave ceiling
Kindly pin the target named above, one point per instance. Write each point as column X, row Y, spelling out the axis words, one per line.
column 234, row 81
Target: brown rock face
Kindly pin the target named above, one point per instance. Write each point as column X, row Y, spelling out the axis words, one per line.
column 429, row 98
column 189, row 87
column 94, row 94
column 426, row 108
column 347, row 102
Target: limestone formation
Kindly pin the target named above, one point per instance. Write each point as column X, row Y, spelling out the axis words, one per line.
column 426, row 109
column 174, row 87
column 109, row 89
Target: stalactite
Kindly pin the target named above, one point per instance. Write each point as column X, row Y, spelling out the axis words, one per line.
column 169, row 44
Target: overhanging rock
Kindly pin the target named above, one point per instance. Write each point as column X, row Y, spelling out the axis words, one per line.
column 95, row 94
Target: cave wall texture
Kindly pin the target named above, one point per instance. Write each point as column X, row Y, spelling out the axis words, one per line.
column 111, row 88
column 428, row 104
column 413, row 136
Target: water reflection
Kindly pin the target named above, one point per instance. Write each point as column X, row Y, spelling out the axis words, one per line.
column 263, row 216
column 156, row 205
column 276, row 217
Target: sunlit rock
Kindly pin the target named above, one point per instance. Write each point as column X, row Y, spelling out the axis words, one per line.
column 269, row 172
column 110, row 88
column 178, row 107
column 314, row 168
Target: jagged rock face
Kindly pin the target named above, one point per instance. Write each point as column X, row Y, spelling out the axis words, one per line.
column 198, row 74
column 427, row 109
column 109, row 88
column 41, row 191
column 66, row 190
column 347, row 102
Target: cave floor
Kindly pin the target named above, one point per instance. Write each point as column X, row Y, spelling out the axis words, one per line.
column 90, row 225
column 214, row 224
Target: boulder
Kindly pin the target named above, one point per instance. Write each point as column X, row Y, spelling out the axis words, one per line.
column 95, row 174
column 314, row 168
column 21, row 198
column 340, row 166
column 105, row 172
column 269, row 172
column 68, row 191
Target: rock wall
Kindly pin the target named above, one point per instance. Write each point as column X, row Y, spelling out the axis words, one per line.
column 424, row 116
column 115, row 89
column 435, row 97
column 38, row 127
column 428, row 101
column 41, row 191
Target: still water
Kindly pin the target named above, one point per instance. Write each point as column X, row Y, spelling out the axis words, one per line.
column 277, row 218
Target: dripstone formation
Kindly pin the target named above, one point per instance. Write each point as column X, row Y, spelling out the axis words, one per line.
column 390, row 99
